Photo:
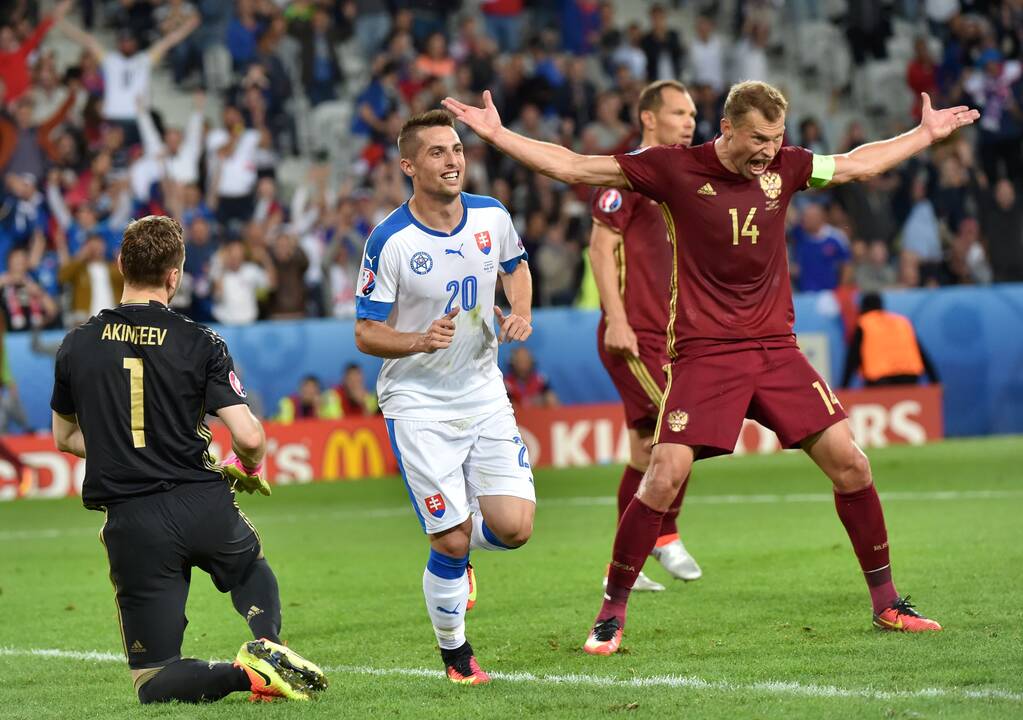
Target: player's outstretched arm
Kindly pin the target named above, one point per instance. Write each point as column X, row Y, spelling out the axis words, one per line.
column 68, row 435
column 381, row 340
column 875, row 158
column 549, row 159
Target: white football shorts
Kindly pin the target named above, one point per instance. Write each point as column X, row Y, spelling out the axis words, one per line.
column 447, row 464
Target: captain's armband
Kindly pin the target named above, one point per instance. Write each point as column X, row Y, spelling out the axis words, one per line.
column 822, row 172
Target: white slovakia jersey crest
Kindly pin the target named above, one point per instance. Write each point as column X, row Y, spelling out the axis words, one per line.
column 411, row 275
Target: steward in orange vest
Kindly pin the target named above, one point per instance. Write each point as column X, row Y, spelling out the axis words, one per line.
column 885, row 348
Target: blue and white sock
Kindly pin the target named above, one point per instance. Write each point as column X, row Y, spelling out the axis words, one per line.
column 483, row 538
column 446, row 588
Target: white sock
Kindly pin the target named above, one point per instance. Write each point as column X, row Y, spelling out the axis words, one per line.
column 446, row 588
column 484, row 539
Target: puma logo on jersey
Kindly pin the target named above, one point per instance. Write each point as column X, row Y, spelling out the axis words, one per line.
column 458, row 252
column 706, row 190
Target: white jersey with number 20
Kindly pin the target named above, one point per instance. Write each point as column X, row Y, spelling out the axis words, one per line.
column 412, row 275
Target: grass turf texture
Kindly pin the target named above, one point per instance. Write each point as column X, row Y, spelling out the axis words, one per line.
column 781, row 601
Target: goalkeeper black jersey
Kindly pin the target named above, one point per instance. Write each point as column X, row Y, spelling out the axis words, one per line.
column 141, row 378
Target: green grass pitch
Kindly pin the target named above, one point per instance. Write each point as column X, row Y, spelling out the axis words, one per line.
column 779, row 626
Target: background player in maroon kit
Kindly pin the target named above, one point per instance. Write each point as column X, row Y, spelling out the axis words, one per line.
column 632, row 255
column 731, row 317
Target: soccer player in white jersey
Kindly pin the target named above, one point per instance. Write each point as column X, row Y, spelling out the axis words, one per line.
column 425, row 303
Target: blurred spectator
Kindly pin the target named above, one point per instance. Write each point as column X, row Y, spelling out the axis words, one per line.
column 351, row 398
column 921, row 76
column 15, row 78
column 231, row 164
column 968, row 260
column 200, row 250
column 186, row 56
column 609, row 134
column 435, row 60
column 580, row 26
column 998, row 94
column 243, row 33
column 27, row 148
column 504, row 22
column 820, row 252
column 707, row 56
column 749, row 57
column 372, row 24
column 376, row 102
column 885, row 347
column 172, row 159
column 12, row 412
column 1001, row 219
column 812, row 137
column 872, row 268
column 630, row 54
column 238, row 284
column 126, row 71
column 526, row 385
column 288, row 300
column 664, row 52
column 25, row 304
column 921, row 240
column 557, row 264
column 22, row 213
column 93, row 281
column 306, row 404
column 321, row 69
column 578, row 97
column 869, row 208
column 867, row 27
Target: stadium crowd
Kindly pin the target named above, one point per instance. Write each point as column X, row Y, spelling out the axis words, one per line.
column 82, row 150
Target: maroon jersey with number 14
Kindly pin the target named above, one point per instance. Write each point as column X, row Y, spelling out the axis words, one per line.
column 731, row 279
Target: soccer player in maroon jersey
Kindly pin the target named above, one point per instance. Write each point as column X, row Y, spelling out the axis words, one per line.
column 731, row 316
column 631, row 255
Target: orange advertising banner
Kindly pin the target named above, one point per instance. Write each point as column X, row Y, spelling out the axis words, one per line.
column 569, row 436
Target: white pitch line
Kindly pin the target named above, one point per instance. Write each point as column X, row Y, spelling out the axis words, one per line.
column 595, row 501
column 687, row 682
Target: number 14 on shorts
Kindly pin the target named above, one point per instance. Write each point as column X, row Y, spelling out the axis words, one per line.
column 827, row 395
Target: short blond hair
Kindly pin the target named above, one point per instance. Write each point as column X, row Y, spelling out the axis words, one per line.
column 152, row 246
column 754, row 95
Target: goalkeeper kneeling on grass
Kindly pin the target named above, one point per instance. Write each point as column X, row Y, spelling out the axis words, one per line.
column 129, row 385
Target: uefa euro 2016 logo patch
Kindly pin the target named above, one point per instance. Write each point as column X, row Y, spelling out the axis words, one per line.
column 367, row 281
column 236, row 384
column 610, row 201
column 435, row 504
column 421, row 263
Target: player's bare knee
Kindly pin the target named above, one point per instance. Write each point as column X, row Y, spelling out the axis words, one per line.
column 453, row 542
column 520, row 535
column 853, row 471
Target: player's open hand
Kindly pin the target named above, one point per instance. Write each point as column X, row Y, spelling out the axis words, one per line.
column 484, row 121
column 440, row 333
column 246, row 479
column 939, row 124
column 620, row 339
column 513, row 327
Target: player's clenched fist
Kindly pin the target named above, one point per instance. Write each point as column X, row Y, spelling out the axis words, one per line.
column 620, row 339
column 440, row 333
column 513, row 327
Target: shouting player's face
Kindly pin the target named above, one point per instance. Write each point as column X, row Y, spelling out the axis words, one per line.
column 752, row 142
column 675, row 121
column 439, row 164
